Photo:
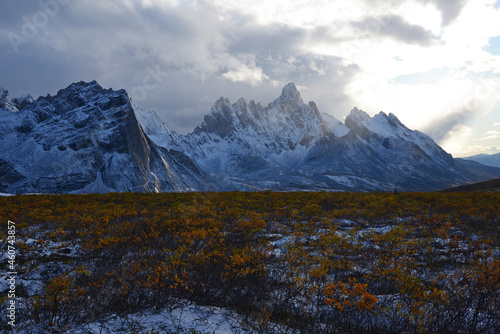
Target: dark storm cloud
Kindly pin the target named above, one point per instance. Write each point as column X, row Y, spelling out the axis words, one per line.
column 183, row 106
column 280, row 39
column 12, row 11
column 40, row 72
column 28, row 63
column 89, row 40
column 179, row 54
column 397, row 28
column 267, row 39
column 449, row 9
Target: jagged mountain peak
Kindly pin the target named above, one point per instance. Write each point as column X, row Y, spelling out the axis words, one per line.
column 241, row 103
column 385, row 133
column 279, row 133
column 381, row 124
column 392, row 120
column 85, row 89
column 357, row 115
column 6, row 102
column 84, row 95
column 23, row 101
column 14, row 104
column 80, row 93
column 84, row 84
column 289, row 100
column 287, row 112
column 290, row 91
column 222, row 101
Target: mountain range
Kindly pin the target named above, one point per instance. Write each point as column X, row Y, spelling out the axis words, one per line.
column 492, row 160
column 89, row 139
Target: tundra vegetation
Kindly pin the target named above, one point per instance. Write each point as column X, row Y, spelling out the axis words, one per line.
column 302, row 262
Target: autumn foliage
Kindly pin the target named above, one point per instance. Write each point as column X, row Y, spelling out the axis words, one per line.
column 292, row 262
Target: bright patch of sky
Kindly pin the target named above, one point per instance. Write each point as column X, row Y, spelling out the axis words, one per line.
column 493, row 46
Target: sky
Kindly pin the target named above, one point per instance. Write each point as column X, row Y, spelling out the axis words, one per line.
column 435, row 64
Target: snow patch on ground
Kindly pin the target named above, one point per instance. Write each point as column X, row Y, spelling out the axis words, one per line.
column 181, row 320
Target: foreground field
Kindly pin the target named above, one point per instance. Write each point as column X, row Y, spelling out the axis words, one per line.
column 279, row 262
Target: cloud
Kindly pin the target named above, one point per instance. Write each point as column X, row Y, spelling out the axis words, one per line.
column 475, row 100
column 245, row 70
column 248, row 36
column 456, row 138
column 205, row 49
column 487, row 137
column 492, row 134
column 471, row 150
column 450, row 9
column 396, row 27
column 445, row 127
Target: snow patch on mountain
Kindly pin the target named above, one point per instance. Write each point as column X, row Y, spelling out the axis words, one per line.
column 6, row 102
column 157, row 130
column 23, row 101
column 337, row 127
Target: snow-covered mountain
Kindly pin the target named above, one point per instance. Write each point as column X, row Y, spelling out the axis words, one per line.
column 290, row 145
column 88, row 139
column 84, row 139
column 381, row 148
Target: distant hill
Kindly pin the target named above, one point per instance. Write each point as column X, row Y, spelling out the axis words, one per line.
column 492, row 160
column 487, row 186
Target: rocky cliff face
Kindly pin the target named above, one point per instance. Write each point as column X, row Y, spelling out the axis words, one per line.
column 85, row 139
column 6, row 102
